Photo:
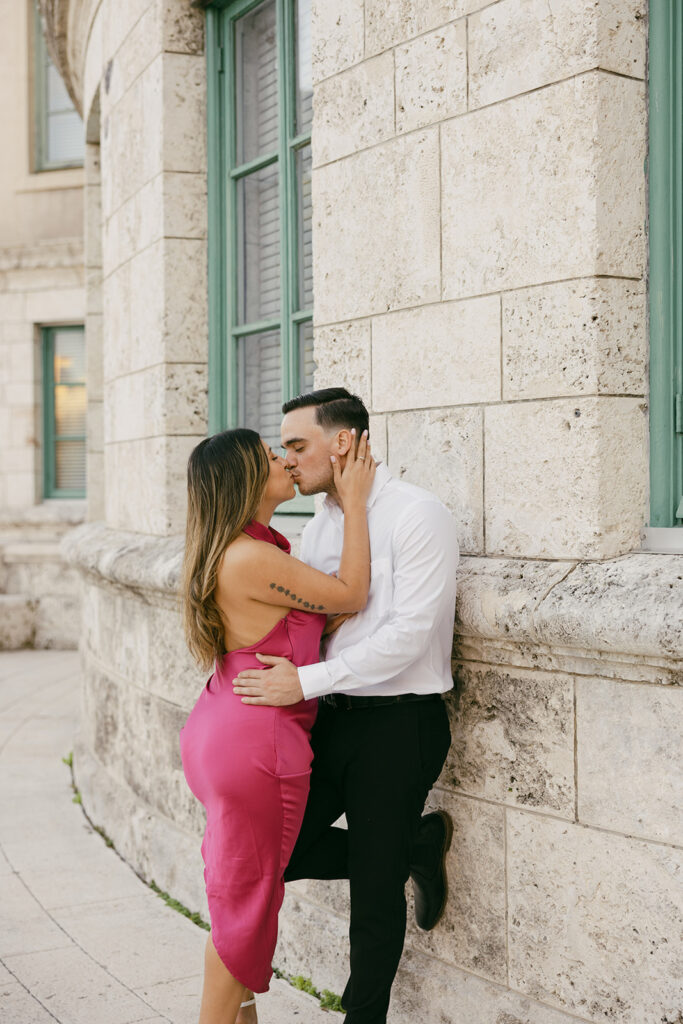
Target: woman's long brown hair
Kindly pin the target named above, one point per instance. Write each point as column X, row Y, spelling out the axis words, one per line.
column 226, row 478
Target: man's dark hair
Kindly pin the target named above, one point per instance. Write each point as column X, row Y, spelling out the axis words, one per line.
column 334, row 407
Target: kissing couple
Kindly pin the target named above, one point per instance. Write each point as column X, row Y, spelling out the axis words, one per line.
column 280, row 743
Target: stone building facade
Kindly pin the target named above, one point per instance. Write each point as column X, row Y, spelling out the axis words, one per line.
column 42, row 288
column 480, row 269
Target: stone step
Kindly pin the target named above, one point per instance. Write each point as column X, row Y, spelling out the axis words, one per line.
column 17, row 622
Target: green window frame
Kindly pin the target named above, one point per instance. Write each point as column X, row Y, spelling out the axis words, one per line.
column 666, row 262
column 234, row 164
column 56, row 122
column 57, row 390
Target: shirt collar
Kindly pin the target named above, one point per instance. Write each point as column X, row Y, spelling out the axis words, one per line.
column 382, row 477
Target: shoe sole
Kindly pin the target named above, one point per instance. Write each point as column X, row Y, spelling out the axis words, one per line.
column 445, row 847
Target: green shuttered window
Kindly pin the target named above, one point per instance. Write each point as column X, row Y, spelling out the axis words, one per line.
column 260, row 217
column 64, row 412
column 666, row 262
column 59, row 134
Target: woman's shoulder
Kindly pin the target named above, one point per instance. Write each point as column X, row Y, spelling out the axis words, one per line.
column 244, row 552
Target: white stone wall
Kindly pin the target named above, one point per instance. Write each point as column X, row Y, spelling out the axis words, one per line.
column 40, row 284
column 144, row 71
column 494, row 319
column 495, row 314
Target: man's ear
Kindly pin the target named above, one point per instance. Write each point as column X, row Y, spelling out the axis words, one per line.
column 343, row 442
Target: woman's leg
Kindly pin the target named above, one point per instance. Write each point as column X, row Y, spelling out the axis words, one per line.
column 222, row 994
column 247, row 1014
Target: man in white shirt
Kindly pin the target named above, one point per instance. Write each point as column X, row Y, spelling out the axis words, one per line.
column 382, row 733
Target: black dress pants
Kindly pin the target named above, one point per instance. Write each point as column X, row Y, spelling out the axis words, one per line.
column 376, row 765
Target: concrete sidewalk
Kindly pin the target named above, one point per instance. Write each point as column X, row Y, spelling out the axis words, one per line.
column 82, row 939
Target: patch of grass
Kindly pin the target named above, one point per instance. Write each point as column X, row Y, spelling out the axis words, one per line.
column 328, row 1000
column 331, row 1001
column 304, row 985
column 100, row 831
column 179, row 907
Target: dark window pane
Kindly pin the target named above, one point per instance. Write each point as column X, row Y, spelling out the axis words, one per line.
column 256, row 83
column 70, row 465
column 258, row 245
column 305, row 227
column 259, row 368
column 304, row 86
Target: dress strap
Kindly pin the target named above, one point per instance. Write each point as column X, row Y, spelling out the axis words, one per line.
column 260, row 532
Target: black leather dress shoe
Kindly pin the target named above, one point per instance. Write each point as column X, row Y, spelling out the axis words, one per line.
column 428, row 870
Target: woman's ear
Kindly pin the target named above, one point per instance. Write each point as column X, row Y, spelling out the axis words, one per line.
column 343, row 442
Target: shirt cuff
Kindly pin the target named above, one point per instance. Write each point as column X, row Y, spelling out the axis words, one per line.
column 315, row 680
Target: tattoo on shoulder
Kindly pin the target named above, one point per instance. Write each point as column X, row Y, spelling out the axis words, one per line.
column 311, row 605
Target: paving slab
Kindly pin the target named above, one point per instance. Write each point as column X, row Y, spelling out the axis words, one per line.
column 82, row 939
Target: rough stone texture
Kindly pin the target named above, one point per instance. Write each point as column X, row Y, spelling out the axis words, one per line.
column 365, row 271
column 630, row 604
column 378, row 437
column 155, row 307
column 441, row 450
column 498, row 597
column 551, row 41
column 167, row 399
column 513, row 738
column 472, row 933
column 572, row 155
column 575, row 337
column 388, row 22
column 151, row 843
column 155, row 468
column 342, row 357
column 17, row 622
column 566, row 478
column 354, row 109
column 135, row 737
column 585, row 933
column 431, row 77
column 299, row 950
column 412, row 348
column 451, row 996
column 629, row 755
column 338, row 37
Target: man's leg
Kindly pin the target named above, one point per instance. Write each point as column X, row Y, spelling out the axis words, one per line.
column 322, row 851
column 399, row 752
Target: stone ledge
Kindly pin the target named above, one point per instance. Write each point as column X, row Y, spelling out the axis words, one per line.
column 52, row 512
column 627, row 606
column 630, row 605
column 141, row 561
column 60, row 252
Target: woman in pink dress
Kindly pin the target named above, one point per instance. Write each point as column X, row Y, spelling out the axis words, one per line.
column 244, row 595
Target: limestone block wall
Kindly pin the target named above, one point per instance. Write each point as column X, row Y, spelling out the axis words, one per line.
column 141, row 69
column 495, row 320
column 40, row 284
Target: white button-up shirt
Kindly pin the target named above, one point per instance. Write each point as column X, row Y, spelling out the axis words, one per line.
column 401, row 642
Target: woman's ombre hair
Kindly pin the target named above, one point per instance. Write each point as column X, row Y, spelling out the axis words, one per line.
column 226, row 478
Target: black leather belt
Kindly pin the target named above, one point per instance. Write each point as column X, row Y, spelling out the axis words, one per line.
column 344, row 702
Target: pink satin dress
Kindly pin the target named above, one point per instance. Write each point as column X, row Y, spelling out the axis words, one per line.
column 250, row 765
